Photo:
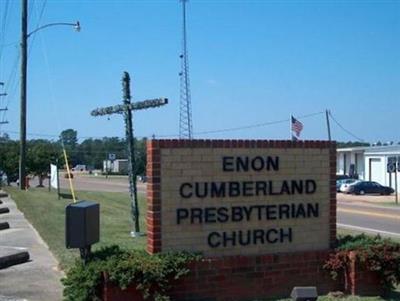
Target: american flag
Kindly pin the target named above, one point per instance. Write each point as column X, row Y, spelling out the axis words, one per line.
column 297, row 126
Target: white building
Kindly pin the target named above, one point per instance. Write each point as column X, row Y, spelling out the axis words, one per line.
column 119, row 166
column 369, row 163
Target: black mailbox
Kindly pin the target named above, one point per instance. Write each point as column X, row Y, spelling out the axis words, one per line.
column 82, row 224
column 304, row 293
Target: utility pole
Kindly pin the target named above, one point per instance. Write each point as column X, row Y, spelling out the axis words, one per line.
column 23, row 88
column 24, row 58
column 327, row 112
column 126, row 109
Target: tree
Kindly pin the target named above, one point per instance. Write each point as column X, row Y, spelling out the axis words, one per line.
column 9, row 159
column 40, row 154
column 140, row 156
column 69, row 138
column 91, row 152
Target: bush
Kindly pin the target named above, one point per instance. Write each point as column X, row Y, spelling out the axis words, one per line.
column 71, row 175
column 375, row 253
column 152, row 274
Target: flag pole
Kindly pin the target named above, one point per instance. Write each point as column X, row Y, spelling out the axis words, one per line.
column 327, row 124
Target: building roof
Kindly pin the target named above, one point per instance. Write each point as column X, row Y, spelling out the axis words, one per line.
column 387, row 149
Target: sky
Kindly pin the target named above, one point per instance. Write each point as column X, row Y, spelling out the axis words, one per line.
column 252, row 65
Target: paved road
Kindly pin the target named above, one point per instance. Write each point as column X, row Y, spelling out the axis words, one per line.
column 361, row 215
column 100, row 183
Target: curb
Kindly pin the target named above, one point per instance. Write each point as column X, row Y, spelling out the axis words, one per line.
column 13, row 259
column 4, row 226
column 4, row 210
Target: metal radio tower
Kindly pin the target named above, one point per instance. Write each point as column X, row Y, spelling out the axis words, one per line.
column 185, row 115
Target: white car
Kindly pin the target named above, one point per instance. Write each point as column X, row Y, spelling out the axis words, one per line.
column 346, row 186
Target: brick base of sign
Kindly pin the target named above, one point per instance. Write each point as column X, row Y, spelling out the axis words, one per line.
column 243, row 278
column 111, row 292
column 254, row 277
column 359, row 281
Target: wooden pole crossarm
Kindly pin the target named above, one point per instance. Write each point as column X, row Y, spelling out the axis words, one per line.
column 140, row 105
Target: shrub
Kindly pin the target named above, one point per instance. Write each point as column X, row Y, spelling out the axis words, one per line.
column 152, row 274
column 71, row 175
column 374, row 253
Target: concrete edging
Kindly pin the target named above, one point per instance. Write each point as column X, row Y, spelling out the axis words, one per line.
column 13, row 259
column 4, row 226
column 4, row 210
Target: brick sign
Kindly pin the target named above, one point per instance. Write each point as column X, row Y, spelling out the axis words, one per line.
column 241, row 197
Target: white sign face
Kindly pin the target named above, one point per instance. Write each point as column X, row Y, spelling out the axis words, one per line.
column 245, row 201
column 53, row 176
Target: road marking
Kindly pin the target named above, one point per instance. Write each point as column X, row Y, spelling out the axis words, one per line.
column 354, row 204
column 392, row 216
column 367, row 229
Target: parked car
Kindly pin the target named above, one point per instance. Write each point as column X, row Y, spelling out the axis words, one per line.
column 345, row 187
column 339, row 183
column 343, row 181
column 370, row 187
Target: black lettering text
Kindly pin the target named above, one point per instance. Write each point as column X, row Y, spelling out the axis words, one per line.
column 181, row 213
column 188, row 193
column 214, row 240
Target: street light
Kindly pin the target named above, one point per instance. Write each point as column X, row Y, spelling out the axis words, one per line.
column 77, row 27
column 24, row 59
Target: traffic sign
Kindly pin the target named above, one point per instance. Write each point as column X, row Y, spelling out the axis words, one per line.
column 391, row 165
column 111, row 157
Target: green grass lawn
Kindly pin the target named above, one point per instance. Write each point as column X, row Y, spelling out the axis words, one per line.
column 47, row 214
column 394, row 297
column 343, row 232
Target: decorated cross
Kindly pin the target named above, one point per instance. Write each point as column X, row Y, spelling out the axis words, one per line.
column 126, row 109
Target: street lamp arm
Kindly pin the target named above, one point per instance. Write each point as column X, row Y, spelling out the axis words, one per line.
column 76, row 25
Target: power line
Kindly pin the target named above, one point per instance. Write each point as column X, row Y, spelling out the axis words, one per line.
column 58, row 136
column 13, row 80
column 245, row 127
column 257, row 125
column 3, row 27
column 176, row 135
column 11, row 84
column 344, row 129
column 39, row 18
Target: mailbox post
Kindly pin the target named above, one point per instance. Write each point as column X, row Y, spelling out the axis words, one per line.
column 82, row 226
